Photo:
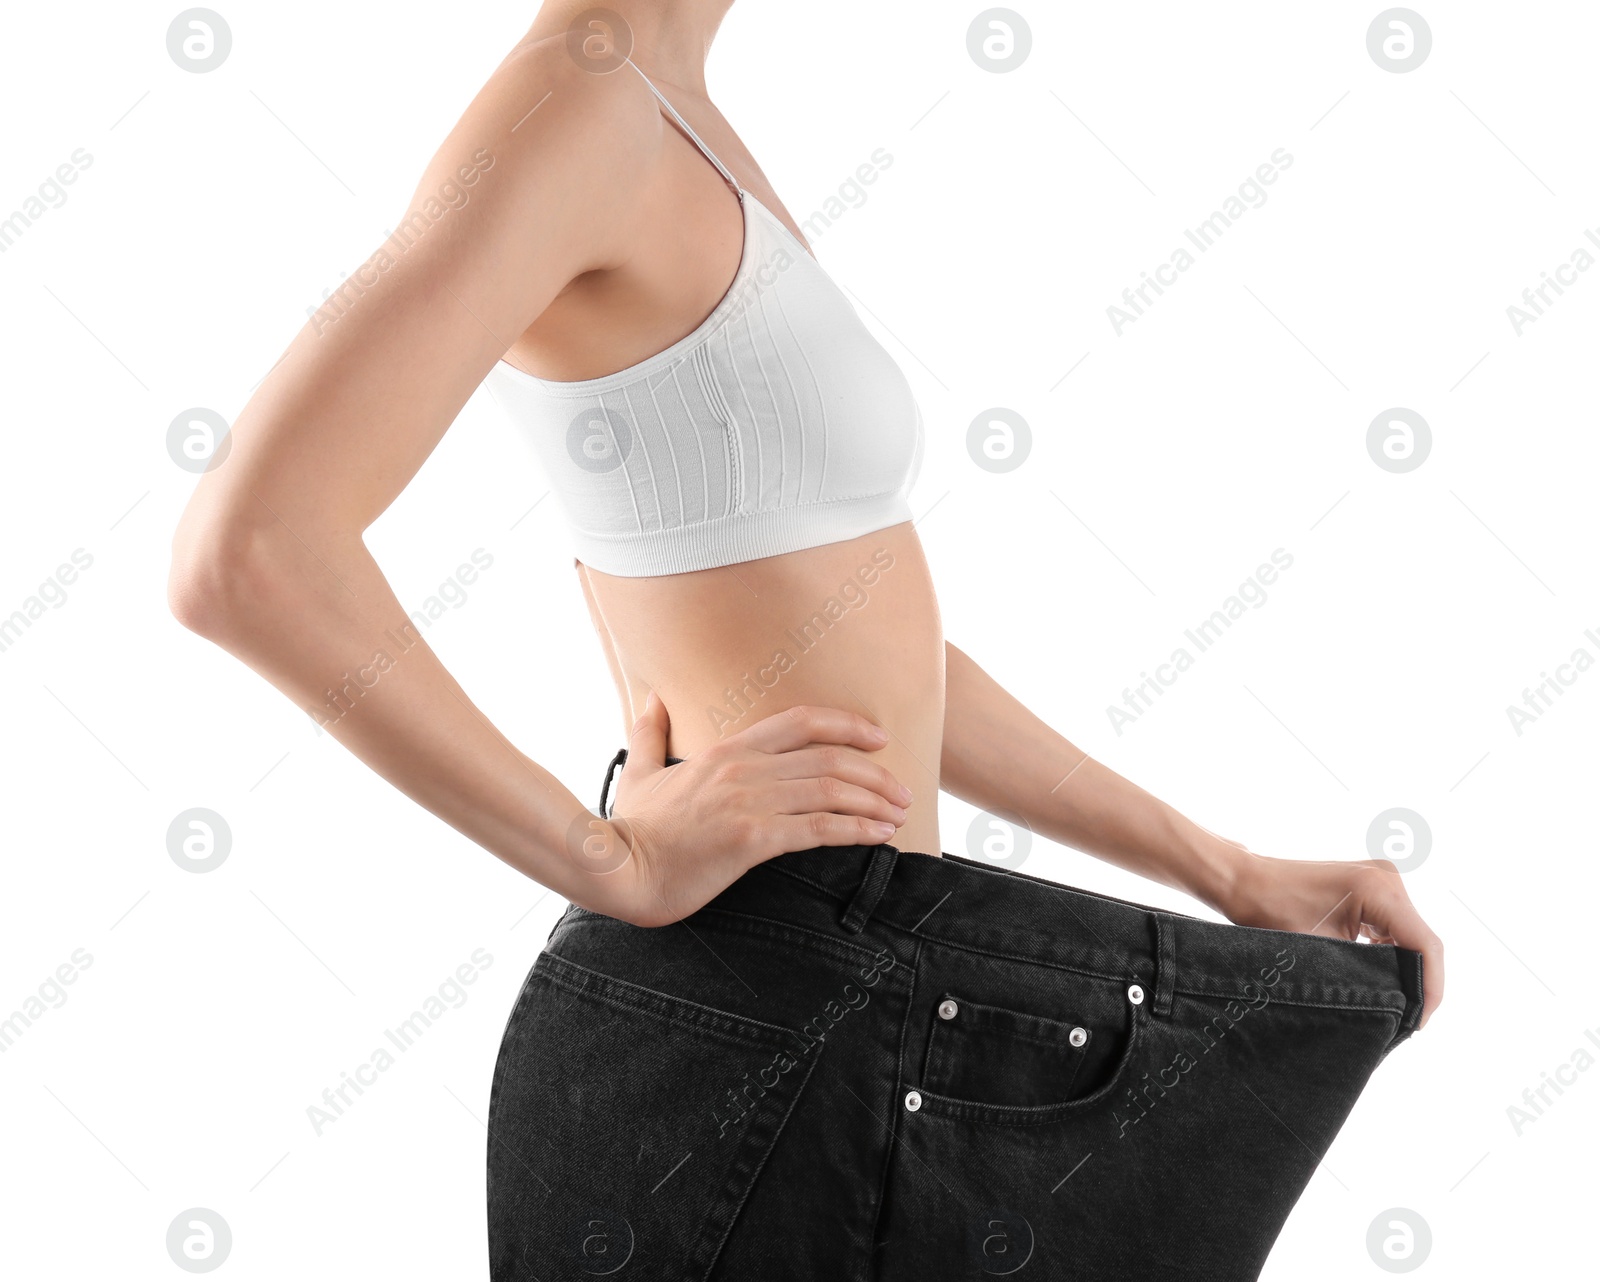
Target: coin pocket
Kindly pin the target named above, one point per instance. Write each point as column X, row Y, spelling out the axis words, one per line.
column 1009, row 1058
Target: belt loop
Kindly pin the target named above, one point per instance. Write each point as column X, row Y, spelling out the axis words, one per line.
column 1166, row 963
column 618, row 760
column 1411, row 986
column 622, row 756
column 873, row 883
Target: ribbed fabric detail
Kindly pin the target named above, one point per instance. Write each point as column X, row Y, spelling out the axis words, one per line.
column 778, row 423
column 740, row 537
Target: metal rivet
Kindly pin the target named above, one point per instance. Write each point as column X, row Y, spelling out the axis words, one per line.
column 1078, row 1036
column 1135, row 994
column 948, row 1009
column 913, row 1101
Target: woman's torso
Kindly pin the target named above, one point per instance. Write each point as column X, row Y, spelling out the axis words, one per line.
column 851, row 624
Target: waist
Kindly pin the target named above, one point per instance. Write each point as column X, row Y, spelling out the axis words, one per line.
column 852, row 625
column 961, row 902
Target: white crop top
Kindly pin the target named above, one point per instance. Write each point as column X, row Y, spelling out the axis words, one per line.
column 778, row 423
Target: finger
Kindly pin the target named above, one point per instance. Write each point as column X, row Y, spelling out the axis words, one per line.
column 1432, row 976
column 647, row 744
column 807, row 724
column 802, row 832
column 813, row 796
column 817, row 762
column 1404, row 926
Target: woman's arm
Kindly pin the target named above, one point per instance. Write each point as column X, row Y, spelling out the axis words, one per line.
column 539, row 183
column 1001, row 758
column 269, row 560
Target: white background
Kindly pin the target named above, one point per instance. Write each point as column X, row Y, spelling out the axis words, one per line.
column 1229, row 420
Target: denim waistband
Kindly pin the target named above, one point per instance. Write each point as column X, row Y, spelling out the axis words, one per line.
column 964, row 903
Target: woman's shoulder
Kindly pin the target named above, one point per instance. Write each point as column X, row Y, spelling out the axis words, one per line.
column 542, row 85
column 571, row 149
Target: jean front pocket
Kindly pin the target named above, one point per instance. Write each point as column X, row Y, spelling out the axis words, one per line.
column 1017, row 1064
column 1004, row 1056
column 628, row 1126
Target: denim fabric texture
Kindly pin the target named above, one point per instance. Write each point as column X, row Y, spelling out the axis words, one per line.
column 860, row 1064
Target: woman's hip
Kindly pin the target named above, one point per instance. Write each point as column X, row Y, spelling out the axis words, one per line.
column 854, row 1059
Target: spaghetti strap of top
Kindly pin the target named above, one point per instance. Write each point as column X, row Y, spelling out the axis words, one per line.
column 777, row 423
column 673, row 111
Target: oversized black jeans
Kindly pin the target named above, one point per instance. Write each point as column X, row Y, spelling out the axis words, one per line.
column 857, row 1063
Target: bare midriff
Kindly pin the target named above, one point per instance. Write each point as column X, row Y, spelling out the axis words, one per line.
column 851, row 625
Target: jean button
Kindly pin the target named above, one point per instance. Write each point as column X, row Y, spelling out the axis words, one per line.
column 1135, row 994
column 1078, row 1036
column 913, row 1101
column 948, row 1009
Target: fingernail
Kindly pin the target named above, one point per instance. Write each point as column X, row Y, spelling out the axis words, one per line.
column 905, row 795
column 878, row 732
column 885, row 830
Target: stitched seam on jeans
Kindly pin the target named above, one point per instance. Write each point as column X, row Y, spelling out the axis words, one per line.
column 810, row 881
column 1420, row 998
column 1062, row 1045
column 974, row 1017
column 942, row 1056
column 1290, row 1001
column 766, row 1156
column 963, row 862
column 1184, row 985
column 1364, row 1001
column 899, row 1083
column 1039, row 1114
column 845, row 896
column 1124, row 976
column 940, row 1063
column 800, row 936
column 1005, row 1020
column 735, row 1029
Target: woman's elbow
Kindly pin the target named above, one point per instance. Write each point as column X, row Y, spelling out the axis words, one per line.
column 239, row 573
column 193, row 594
column 199, row 584
column 214, row 576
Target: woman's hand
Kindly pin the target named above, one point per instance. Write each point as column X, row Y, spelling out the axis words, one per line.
column 1344, row 900
column 679, row 835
